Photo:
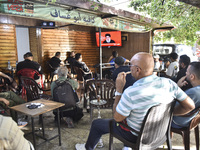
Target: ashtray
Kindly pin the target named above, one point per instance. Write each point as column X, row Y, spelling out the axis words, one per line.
column 34, row 105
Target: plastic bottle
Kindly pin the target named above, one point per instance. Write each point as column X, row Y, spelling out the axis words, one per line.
column 9, row 66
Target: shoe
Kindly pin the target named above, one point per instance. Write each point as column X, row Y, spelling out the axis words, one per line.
column 126, row 148
column 22, row 124
column 69, row 122
column 80, row 146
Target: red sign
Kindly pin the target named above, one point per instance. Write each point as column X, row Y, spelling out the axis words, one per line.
column 15, row 5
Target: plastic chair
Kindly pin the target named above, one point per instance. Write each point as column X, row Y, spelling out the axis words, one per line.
column 33, row 90
column 104, row 88
column 185, row 132
column 155, row 129
column 27, row 72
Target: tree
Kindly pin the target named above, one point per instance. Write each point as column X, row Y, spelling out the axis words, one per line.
column 184, row 17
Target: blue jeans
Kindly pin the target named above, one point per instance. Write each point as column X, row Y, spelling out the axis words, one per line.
column 100, row 127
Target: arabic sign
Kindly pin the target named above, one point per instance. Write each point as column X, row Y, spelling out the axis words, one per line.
column 59, row 14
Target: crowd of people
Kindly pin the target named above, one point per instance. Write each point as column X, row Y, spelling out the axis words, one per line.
column 180, row 80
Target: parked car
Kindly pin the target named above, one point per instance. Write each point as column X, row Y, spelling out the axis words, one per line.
column 163, row 50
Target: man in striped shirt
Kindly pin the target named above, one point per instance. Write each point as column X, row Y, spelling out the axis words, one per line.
column 133, row 104
column 11, row 136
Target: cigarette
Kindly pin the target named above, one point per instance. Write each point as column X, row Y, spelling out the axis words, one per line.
column 128, row 72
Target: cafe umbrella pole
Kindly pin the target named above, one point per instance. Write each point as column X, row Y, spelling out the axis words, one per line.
column 100, row 53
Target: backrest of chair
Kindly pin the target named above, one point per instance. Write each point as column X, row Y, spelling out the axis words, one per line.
column 105, row 88
column 32, row 88
column 156, row 126
column 79, row 73
column 27, row 72
column 196, row 120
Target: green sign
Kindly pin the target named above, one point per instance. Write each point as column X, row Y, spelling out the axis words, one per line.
column 60, row 14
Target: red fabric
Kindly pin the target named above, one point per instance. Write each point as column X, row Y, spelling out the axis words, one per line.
column 27, row 72
column 124, row 122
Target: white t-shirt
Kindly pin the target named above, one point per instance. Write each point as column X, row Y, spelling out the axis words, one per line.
column 173, row 69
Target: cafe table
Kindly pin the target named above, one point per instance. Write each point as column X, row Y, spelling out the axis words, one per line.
column 48, row 106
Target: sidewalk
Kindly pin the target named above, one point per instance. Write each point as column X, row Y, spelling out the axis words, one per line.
column 79, row 134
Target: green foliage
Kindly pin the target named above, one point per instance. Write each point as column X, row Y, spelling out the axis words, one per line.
column 184, row 17
column 50, row 1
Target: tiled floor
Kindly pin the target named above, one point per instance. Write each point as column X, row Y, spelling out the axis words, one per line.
column 80, row 133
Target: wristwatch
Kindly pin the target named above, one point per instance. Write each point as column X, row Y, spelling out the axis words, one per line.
column 117, row 93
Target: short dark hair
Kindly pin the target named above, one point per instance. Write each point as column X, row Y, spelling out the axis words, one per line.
column 184, row 59
column 174, row 56
column 195, row 68
column 28, row 54
column 114, row 53
column 119, row 61
column 108, row 35
column 77, row 56
column 57, row 54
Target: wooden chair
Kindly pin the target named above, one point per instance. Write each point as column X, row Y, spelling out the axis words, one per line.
column 104, row 88
column 33, row 90
column 185, row 132
column 80, row 78
column 52, row 72
column 27, row 72
column 155, row 129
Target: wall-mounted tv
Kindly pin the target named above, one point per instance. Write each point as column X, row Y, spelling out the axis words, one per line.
column 109, row 38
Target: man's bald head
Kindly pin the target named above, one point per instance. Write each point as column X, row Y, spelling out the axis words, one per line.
column 145, row 62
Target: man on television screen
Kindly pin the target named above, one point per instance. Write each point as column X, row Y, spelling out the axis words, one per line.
column 108, row 39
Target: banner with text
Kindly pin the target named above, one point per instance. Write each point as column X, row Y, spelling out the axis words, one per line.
column 60, row 14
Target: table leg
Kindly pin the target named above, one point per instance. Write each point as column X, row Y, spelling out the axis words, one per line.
column 59, row 135
column 33, row 132
column 16, row 116
column 41, row 117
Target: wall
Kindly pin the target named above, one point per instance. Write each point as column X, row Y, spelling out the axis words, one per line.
column 64, row 40
column 8, row 47
column 136, row 42
column 45, row 42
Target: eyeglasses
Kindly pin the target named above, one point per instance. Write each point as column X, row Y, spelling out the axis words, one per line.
column 129, row 65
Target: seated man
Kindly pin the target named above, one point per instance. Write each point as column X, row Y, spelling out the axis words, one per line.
column 8, row 80
column 184, row 62
column 71, row 59
column 132, row 105
column 111, row 60
column 55, row 61
column 173, row 68
column 68, row 115
column 11, row 136
column 80, row 64
column 119, row 67
column 193, row 76
column 9, row 99
column 29, row 63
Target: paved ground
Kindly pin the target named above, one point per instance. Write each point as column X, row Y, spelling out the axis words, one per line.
column 79, row 134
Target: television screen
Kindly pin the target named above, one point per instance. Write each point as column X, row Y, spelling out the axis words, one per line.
column 110, row 38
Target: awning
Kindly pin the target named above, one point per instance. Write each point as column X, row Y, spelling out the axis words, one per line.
column 63, row 12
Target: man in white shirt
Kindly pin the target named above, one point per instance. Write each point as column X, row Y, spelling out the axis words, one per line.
column 173, row 67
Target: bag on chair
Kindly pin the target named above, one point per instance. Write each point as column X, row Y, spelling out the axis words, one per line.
column 64, row 93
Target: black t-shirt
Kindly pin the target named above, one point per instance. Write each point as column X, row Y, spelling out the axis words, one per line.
column 55, row 62
column 81, row 65
column 29, row 64
column 70, row 60
column 129, row 78
column 181, row 74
